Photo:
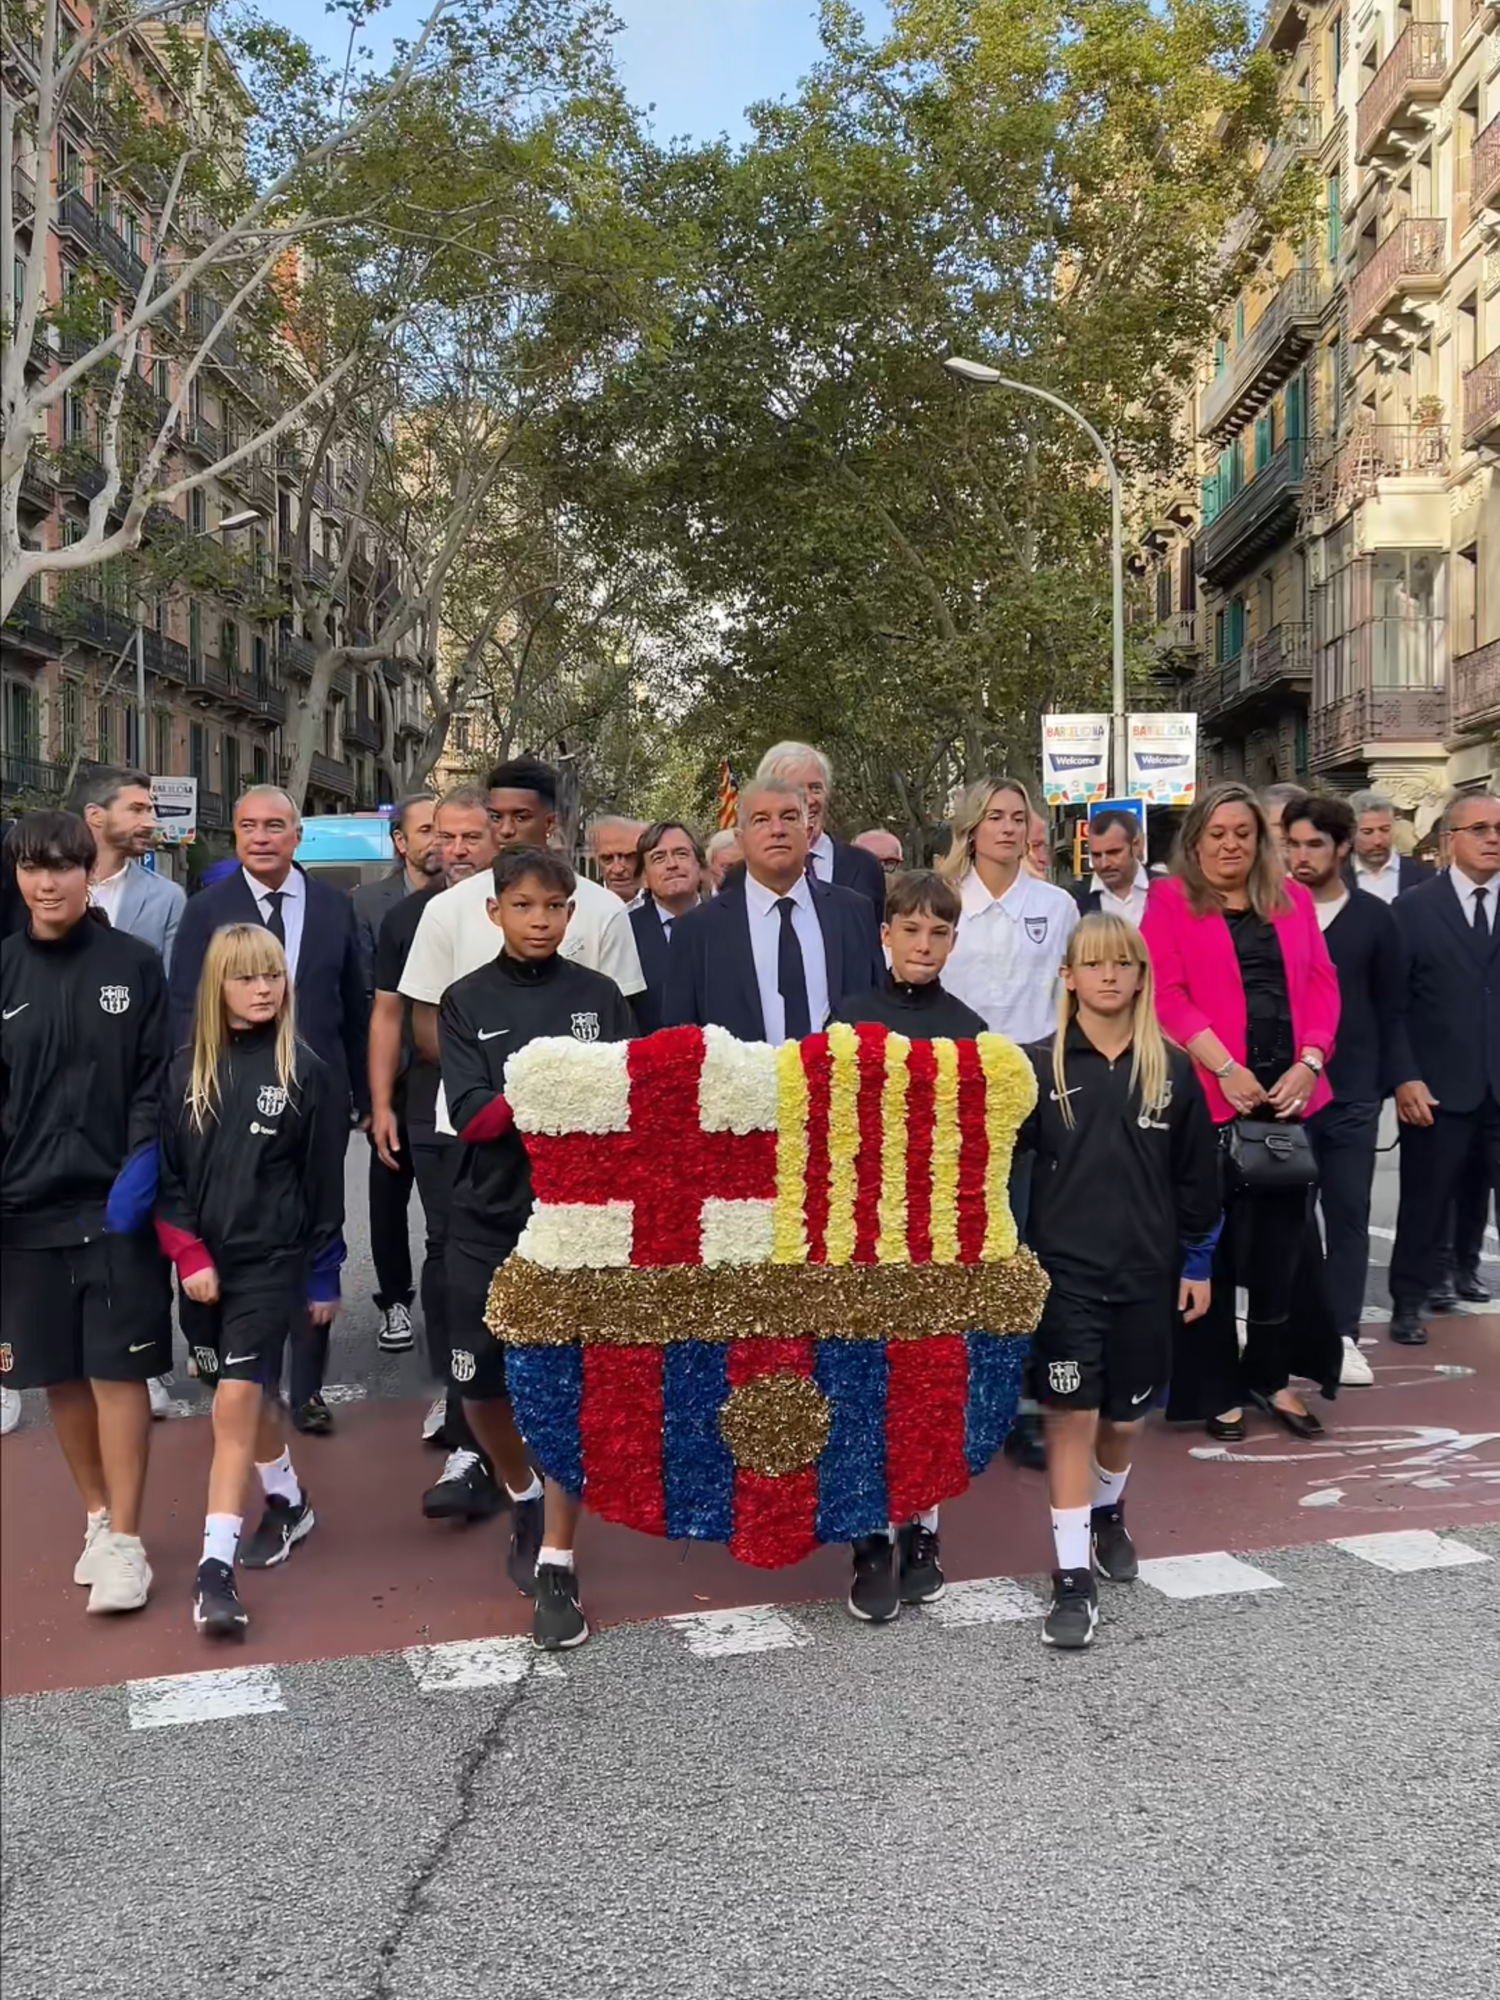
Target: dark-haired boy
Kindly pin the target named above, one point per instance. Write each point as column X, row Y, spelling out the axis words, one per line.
column 528, row 990
column 84, row 1291
column 902, row 1566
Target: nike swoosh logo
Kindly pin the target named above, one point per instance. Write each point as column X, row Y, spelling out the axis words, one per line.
column 1071, row 1091
column 489, row 1034
column 239, row 1360
column 1139, row 1399
column 11, row 1012
column 141, row 1346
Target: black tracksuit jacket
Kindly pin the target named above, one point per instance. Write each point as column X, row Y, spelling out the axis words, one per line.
column 83, row 1052
column 921, row 1013
column 261, row 1187
column 484, row 1018
column 1123, row 1202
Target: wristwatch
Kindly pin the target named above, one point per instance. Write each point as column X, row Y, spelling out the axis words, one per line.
column 1312, row 1059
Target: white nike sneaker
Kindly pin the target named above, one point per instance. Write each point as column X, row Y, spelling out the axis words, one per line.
column 1355, row 1372
column 10, row 1410
column 160, row 1390
column 122, row 1575
column 96, row 1534
column 395, row 1335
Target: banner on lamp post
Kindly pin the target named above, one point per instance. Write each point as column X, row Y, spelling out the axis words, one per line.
column 1075, row 759
column 1163, row 759
column 175, row 802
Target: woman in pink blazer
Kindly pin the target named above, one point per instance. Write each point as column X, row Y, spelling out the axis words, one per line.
column 1245, row 984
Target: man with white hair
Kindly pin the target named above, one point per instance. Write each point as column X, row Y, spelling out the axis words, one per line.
column 828, row 860
column 614, row 844
column 722, row 854
column 1378, row 866
column 885, row 847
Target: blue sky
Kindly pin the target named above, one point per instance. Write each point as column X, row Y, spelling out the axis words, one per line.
column 699, row 62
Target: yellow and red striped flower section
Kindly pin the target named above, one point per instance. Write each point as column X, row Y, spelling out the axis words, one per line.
column 890, row 1151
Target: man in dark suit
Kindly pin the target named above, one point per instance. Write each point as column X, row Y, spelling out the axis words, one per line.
column 671, row 866
column 1117, row 857
column 776, row 951
column 828, row 860
column 1451, row 931
column 316, row 927
column 1377, row 865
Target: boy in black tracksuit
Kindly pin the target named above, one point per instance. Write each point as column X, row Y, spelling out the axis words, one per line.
column 528, row 991
column 920, row 928
column 1125, row 1212
column 84, row 1292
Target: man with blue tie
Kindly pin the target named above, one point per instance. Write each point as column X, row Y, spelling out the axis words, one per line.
column 777, row 950
column 671, row 861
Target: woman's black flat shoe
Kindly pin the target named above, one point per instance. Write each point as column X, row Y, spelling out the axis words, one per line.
column 1228, row 1430
column 1301, row 1424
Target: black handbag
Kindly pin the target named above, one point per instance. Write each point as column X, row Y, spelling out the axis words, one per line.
column 1266, row 1158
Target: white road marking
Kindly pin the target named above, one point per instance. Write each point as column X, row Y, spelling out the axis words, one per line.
column 1325, row 1496
column 988, row 1600
column 754, row 1628
column 1407, row 1549
column 219, row 1695
column 1214, row 1575
column 343, row 1392
column 462, row 1664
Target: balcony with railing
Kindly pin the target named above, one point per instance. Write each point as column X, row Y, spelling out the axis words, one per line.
column 1411, row 77
column 116, row 253
column 1406, row 268
column 1254, row 520
column 76, row 218
column 24, row 193
column 1482, row 401
column 31, row 621
column 1300, row 138
column 1372, row 454
column 1273, row 348
column 1265, row 671
column 362, row 730
column 329, row 775
column 22, row 773
column 1380, row 683
column 1476, row 689
column 297, row 655
column 1176, row 637
column 203, row 439
column 1484, row 171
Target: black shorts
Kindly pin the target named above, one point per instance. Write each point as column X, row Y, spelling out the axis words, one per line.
column 1092, row 1354
column 86, row 1312
column 242, row 1335
column 476, row 1362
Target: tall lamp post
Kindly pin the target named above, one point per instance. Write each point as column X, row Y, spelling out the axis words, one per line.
column 985, row 377
column 230, row 522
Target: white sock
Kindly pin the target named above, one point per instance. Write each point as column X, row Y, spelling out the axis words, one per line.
column 1070, row 1537
column 221, row 1536
column 98, row 1516
column 554, row 1558
column 927, row 1519
column 279, row 1481
column 1108, row 1486
column 532, row 1492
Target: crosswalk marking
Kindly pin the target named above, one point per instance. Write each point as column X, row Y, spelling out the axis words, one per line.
column 1403, row 1550
column 753, row 1628
column 461, row 1664
column 220, row 1695
column 989, row 1600
column 1214, row 1575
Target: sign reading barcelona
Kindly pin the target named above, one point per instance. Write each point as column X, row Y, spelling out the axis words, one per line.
column 768, row 1297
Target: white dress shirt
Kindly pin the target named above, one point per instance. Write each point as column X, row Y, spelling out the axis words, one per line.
column 765, row 944
column 820, row 853
column 1132, row 907
column 1006, row 962
column 1382, row 882
column 1466, row 888
column 105, row 894
column 293, row 909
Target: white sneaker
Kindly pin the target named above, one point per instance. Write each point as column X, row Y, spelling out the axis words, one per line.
column 122, row 1575
column 395, row 1335
column 1355, row 1372
column 10, row 1410
column 161, row 1395
column 95, row 1535
column 436, row 1417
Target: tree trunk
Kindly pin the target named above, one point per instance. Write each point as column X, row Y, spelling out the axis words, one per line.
column 307, row 728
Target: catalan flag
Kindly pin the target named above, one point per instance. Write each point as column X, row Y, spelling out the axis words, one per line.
column 729, row 795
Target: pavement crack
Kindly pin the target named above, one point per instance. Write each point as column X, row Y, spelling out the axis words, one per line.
column 413, row 1897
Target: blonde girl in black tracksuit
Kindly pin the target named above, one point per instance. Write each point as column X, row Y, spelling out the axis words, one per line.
column 251, row 1211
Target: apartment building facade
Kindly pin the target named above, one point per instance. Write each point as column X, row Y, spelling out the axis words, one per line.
column 221, row 650
column 1336, row 593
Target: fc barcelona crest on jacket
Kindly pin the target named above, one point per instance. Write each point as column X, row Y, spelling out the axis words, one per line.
column 745, row 1306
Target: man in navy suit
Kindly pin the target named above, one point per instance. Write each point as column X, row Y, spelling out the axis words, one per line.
column 828, row 860
column 777, row 950
column 316, row 927
column 671, row 865
column 1450, row 1116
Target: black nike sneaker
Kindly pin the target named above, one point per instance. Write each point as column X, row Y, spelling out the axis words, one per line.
column 525, row 1544
column 874, row 1597
column 1073, row 1612
column 1114, row 1551
column 558, row 1622
column 921, row 1572
column 217, row 1610
column 282, row 1526
column 465, row 1491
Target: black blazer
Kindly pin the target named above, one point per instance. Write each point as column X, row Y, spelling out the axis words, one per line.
column 1411, row 875
column 853, row 868
column 333, row 1009
column 1088, row 900
column 1373, row 1051
column 1452, row 995
column 652, row 945
column 711, row 968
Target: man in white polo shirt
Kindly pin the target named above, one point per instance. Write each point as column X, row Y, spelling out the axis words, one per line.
column 456, row 936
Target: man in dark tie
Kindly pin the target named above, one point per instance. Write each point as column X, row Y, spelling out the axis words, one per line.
column 776, row 951
column 1452, row 941
column 672, row 871
column 828, row 860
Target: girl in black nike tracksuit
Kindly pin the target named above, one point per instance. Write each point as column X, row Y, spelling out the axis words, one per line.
column 1125, row 1212
column 251, row 1211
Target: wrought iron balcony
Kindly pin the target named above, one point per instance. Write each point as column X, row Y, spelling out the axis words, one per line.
column 1372, row 453
column 1482, row 401
column 32, row 622
column 1260, row 515
column 203, row 439
column 1277, row 663
column 1348, row 729
column 1273, row 348
column 363, row 730
column 1407, row 267
column 297, row 655
column 332, row 776
column 1476, row 688
column 114, row 251
column 1177, row 634
column 1411, row 76
column 32, row 774
column 1300, row 138
column 173, row 661
column 76, row 218
column 1484, row 171
column 24, row 195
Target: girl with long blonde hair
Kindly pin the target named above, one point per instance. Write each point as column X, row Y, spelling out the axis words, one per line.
column 1124, row 1217
column 251, row 1211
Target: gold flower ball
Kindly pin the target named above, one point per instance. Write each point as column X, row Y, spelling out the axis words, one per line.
column 776, row 1424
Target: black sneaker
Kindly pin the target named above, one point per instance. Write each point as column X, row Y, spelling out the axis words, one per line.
column 526, row 1544
column 921, row 1572
column 465, row 1491
column 313, row 1418
column 1114, row 1552
column 1025, row 1444
column 558, row 1621
column 873, row 1594
column 1074, row 1610
column 216, row 1604
column 282, row 1526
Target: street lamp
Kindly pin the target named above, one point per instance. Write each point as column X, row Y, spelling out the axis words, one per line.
column 244, row 519
column 984, row 377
